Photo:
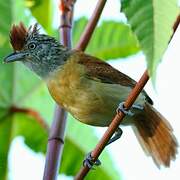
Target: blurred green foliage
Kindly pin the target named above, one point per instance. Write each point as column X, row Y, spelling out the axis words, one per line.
column 152, row 22
column 42, row 10
column 21, row 88
column 110, row 40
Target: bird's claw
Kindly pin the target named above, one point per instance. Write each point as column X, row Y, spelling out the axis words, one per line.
column 124, row 110
column 90, row 162
column 128, row 112
column 137, row 106
column 116, row 136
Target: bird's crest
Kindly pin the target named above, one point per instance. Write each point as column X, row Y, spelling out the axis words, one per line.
column 19, row 34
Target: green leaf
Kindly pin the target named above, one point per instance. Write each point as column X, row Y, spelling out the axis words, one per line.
column 12, row 78
column 152, row 22
column 9, row 93
column 5, row 49
column 42, row 11
column 36, row 141
column 14, row 82
column 20, row 124
column 21, row 13
column 110, row 40
column 5, row 140
column 5, row 123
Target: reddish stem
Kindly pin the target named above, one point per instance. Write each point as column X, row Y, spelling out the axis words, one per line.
column 175, row 26
column 87, row 34
column 32, row 113
column 56, row 136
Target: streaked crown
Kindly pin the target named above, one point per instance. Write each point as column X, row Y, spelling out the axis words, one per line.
column 39, row 52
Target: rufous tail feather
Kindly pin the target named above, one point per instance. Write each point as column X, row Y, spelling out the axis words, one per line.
column 156, row 136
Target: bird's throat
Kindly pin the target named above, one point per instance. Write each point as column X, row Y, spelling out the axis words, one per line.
column 45, row 66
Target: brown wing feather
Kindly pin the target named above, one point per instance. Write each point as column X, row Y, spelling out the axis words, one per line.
column 101, row 70
column 98, row 69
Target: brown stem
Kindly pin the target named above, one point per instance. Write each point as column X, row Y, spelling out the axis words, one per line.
column 87, row 34
column 56, row 136
column 32, row 113
column 117, row 119
column 55, row 145
column 175, row 26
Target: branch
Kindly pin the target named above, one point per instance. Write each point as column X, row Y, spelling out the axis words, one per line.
column 175, row 26
column 118, row 119
column 32, row 113
column 87, row 34
column 56, row 136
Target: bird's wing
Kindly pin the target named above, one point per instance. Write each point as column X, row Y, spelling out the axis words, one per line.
column 101, row 71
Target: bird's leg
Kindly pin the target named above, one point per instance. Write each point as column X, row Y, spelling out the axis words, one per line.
column 89, row 159
column 90, row 162
column 119, row 131
column 137, row 106
column 128, row 112
column 116, row 136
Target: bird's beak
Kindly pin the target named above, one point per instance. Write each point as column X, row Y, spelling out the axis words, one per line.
column 15, row 56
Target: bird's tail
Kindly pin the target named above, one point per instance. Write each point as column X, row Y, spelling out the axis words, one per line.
column 155, row 135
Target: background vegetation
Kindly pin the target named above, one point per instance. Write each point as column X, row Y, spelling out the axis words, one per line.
column 149, row 29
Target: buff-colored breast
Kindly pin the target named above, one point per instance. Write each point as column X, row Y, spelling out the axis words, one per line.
column 90, row 101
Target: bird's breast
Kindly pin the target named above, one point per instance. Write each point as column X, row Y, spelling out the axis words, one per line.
column 89, row 101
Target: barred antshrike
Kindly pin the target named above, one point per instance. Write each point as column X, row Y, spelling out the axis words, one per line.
column 91, row 89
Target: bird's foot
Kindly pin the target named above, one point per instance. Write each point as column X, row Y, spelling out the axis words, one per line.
column 137, row 106
column 128, row 112
column 124, row 110
column 116, row 136
column 89, row 161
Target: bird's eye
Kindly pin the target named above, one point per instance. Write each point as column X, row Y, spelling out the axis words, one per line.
column 32, row 46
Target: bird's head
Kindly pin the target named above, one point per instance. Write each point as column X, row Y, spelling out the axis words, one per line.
column 39, row 52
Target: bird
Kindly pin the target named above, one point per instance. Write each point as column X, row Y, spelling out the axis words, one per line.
column 92, row 90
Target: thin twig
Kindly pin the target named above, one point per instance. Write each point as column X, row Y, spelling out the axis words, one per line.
column 56, row 136
column 117, row 119
column 176, row 23
column 32, row 113
column 87, row 34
